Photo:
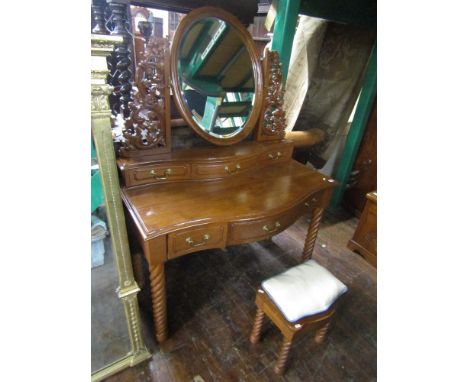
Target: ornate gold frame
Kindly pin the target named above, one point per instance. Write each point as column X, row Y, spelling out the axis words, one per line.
column 102, row 46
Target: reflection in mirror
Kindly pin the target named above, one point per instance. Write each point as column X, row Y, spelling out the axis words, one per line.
column 216, row 77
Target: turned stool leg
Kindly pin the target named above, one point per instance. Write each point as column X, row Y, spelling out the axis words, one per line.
column 312, row 234
column 158, row 296
column 283, row 357
column 322, row 332
column 257, row 328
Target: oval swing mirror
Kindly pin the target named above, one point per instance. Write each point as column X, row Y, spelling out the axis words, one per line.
column 216, row 75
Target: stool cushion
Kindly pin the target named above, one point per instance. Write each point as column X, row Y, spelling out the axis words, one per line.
column 304, row 290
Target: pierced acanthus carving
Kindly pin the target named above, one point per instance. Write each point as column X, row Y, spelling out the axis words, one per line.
column 274, row 121
column 145, row 128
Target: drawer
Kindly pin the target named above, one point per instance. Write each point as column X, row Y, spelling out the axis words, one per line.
column 158, row 173
column 196, row 239
column 259, row 229
column 224, row 169
column 276, row 154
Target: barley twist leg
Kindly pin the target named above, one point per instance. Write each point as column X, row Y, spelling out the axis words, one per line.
column 321, row 333
column 257, row 328
column 158, row 296
column 312, row 234
column 283, row 357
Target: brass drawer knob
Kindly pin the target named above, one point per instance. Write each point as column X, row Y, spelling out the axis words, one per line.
column 229, row 171
column 266, row 228
column 273, row 156
column 192, row 243
column 167, row 172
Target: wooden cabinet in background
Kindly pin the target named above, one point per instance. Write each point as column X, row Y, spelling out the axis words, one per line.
column 363, row 178
column 364, row 240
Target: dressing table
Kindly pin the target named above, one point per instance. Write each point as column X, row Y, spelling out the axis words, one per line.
column 242, row 185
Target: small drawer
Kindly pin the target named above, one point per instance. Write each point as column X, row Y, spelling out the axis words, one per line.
column 222, row 170
column 276, row 154
column 196, row 239
column 159, row 173
column 259, row 229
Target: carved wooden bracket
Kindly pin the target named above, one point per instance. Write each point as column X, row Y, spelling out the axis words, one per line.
column 272, row 120
column 147, row 128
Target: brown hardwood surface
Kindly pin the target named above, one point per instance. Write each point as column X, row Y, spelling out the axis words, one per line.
column 212, row 311
column 208, row 153
column 364, row 240
column 209, row 198
column 203, row 163
column 363, row 177
column 168, row 207
column 258, row 229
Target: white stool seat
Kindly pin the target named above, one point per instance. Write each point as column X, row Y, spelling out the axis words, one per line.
column 304, row 290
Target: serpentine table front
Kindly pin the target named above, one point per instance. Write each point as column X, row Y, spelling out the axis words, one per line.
column 221, row 197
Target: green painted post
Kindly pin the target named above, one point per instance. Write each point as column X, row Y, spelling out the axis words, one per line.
column 358, row 126
column 283, row 34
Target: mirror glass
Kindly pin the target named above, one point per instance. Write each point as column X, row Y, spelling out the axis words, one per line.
column 216, row 77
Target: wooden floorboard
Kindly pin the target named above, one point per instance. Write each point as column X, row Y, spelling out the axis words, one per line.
column 211, row 309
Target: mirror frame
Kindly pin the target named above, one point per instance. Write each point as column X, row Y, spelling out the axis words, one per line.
column 127, row 291
column 181, row 105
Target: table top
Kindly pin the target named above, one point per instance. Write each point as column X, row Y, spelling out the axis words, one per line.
column 162, row 208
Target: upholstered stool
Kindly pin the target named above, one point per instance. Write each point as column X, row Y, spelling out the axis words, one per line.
column 303, row 297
